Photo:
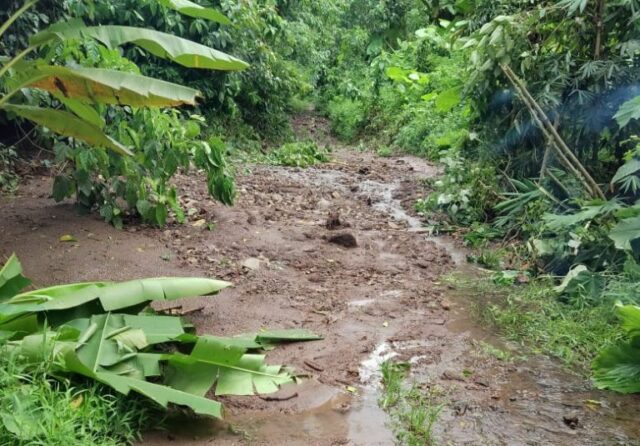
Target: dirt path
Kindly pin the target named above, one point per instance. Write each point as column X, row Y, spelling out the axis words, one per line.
column 375, row 300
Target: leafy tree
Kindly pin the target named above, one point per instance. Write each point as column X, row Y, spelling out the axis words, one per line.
column 103, row 98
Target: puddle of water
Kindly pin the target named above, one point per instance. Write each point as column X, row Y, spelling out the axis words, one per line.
column 368, row 423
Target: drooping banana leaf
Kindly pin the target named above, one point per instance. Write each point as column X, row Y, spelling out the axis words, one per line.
column 111, row 296
column 228, row 367
column 194, row 10
column 96, row 85
column 11, row 279
column 67, row 124
column 162, row 395
column 166, row 46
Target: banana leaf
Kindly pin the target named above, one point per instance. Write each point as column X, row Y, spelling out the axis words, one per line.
column 166, row 46
column 229, row 368
column 194, row 10
column 111, row 296
column 11, row 279
column 96, row 85
column 67, row 124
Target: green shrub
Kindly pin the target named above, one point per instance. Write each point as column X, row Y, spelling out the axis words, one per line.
column 299, row 154
column 348, row 117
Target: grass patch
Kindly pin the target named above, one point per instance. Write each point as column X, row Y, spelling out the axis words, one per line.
column 533, row 316
column 36, row 409
column 414, row 412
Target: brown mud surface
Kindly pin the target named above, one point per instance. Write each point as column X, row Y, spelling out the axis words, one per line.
column 288, row 246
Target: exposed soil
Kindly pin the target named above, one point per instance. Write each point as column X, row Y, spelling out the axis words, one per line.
column 333, row 249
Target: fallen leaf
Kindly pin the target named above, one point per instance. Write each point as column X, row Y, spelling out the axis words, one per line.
column 77, row 402
column 352, row 389
column 199, row 223
column 385, row 324
column 68, row 238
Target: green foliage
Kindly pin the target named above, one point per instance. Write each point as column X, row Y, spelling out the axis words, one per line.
column 618, row 367
column 413, row 412
column 533, row 316
column 104, row 332
column 37, row 409
column 299, row 154
column 347, row 117
column 8, row 177
column 105, row 97
column 466, row 191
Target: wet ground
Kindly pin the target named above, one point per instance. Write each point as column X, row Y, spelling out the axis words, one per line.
column 335, row 249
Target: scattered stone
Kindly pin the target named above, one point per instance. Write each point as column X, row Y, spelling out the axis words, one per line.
column 345, row 239
column 364, row 171
column 335, row 194
column 323, row 204
column 445, row 305
column 572, row 421
column 333, row 221
column 450, row 375
column 252, row 264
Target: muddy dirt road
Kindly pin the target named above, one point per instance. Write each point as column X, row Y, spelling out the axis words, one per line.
column 334, row 249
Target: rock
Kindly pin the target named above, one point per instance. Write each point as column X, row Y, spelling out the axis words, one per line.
column 323, row 204
column 345, row 239
column 333, row 221
column 572, row 421
column 252, row 264
column 445, row 304
column 335, row 194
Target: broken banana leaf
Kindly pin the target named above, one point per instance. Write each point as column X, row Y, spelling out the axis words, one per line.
column 156, row 356
column 110, row 296
column 11, row 279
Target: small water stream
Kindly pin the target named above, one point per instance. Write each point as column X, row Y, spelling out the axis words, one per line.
column 526, row 408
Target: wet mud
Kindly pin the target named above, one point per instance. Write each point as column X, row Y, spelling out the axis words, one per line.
column 381, row 298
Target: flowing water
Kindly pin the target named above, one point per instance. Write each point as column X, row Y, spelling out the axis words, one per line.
column 529, row 402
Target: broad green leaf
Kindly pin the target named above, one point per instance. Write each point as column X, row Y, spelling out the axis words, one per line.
column 194, row 10
column 618, row 369
column 67, row 124
column 629, row 168
column 11, row 278
column 123, row 295
column 559, row 222
column 112, row 296
column 625, row 232
column 629, row 111
column 237, row 373
column 24, row 324
column 448, row 99
column 82, row 110
column 167, row 46
column 95, row 85
column 162, row 395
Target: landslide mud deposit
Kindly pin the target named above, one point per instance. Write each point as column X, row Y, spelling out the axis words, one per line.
column 335, row 249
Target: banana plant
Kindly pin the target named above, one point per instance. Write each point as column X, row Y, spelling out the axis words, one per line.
column 77, row 88
column 99, row 330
